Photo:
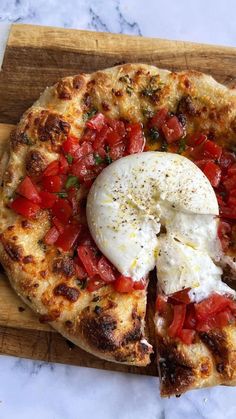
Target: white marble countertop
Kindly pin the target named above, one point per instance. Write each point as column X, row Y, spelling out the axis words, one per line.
column 48, row 391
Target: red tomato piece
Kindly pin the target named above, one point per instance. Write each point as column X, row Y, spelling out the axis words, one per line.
column 172, row 130
column 224, row 232
column 212, row 150
column 80, row 271
column 181, row 296
column 24, row 207
column 52, row 183
column 231, row 201
column 89, row 259
column 105, row 270
column 187, row 336
column 211, row 306
column 159, row 119
column 178, row 320
column 62, row 210
column 136, row 139
column 52, row 169
column 161, row 304
column 60, row 227
column 140, row 285
column 230, row 183
column 117, row 151
column 51, row 236
column 100, row 139
column 81, row 166
column 84, row 149
column 96, row 122
column 27, row 189
column 47, row 199
column 70, row 145
column 95, row 283
column 117, row 126
column 63, row 165
column 213, row 173
column 72, row 197
column 67, row 240
column 89, row 135
column 190, row 318
column 196, row 139
column 228, row 212
column 224, row 318
column 85, row 237
column 113, row 138
column 123, row 284
column 226, row 159
column 232, row 170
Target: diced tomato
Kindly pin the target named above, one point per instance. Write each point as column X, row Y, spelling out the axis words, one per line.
column 117, row 126
column 123, row 284
column 117, row 151
column 230, row 182
column 48, row 199
column 212, row 150
column 79, row 268
column 24, row 207
column 232, row 170
column 136, row 139
column 52, row 183
column 51, row 236
column 161, row 304
column 62, row 210
column 60, row 227
column 98, row 168
column 113, row 138
column 105, row 270
column 100, row 139
column 158, row 120
column 63, row 165
column 27, row 189
column 89, row 135
column 213, row 173
column 96, row 122
column 89, row 259
column 67, row 240
column 70, row 145
column 231, row 201
column 95, row 283
column 196, row 139
column 178, row 320
column 224, row 318
column 89, row 178
column 190, row 318
column 52, row 169
column 72, row 197
column 187, row 336
column 84, row 149
column 226, row 159
column 81, row 167
column 228, row 212
column 172, row 130
column 211, row 306
column 181, row 296
column 140, row 285
column 224, row 232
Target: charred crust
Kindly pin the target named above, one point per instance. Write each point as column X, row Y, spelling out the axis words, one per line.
column 43, row 274
column 216, row 342
column 64, row 266
column 69, row 293
column 63, row 89
column 78, row 82
column 186, row 106
column 176, row 371
column 105, row 106
column 134, row 335
column 53, row 128
column 34, row 163
column 87, row 100
column 19, row 138
column 99, row 331
column 15, row 252
column 28, row 259
column 25, row 224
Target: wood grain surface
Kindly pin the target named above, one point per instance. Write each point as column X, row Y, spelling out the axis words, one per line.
column 37, row 57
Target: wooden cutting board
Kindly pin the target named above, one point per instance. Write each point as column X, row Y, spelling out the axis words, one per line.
column 37, row 57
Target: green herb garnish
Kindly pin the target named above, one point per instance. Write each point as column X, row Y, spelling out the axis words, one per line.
column 125, row 79
column 97, row 158
column 82, row 283
column 69, row 158
column 108, row 159
column 154, row 134
column 89, row 114
column 129, row 90
column 182, row 145
column 71, row 181
column 62, row 194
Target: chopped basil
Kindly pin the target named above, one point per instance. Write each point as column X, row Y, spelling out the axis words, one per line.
column 154, row 134
column 98, row 159
column 62, row 194
column 149, row 92
column 108, row 159
column 69, row 158
column 89, row 114
column 129, row 90
column 182, row 145
column 71, row 181
column 82, row 283
column 125, row 79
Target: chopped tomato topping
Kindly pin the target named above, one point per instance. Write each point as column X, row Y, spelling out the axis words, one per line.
column 52, row 169
column 123, row 284
column 70, row 145
column 67, row 240
column 212, row 150
column 51, row 236
column 62, row 210
column 213, row 173
column 96, row 122
column 48, row 199
column 178, row 320
column 63, row 165
column 196, row 139
column 187, row 336
column 140, row 285
column 136, row 140
column 158, row 120
column 52, row 183
column 95, row 283
column 27, row 189
column 230, row 182
column 172, row 130
column 226, row 159
column 89, row 259
column 161, row 304
column 79, row 268
column 83, row 150
column 117, row 151
column 58, row 224
column 211, row 305
column 181, row 296
column 24, row 207
column 190, row 318
column 105, row 270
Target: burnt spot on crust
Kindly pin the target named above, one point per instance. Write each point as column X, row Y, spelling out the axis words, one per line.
column 176, row 371
column 63, row 89
column 99, row 331
column 69, row 293
column 19, row 138
column 64, row 266
column 50, row 317
column 78, row 82
column 134, row 335
column 15, row 252
column 105, row 106
column 25, row 224
column 28, row 259
column 216, row 342
column 53, row 128
column 34, row 163
column 186, row 106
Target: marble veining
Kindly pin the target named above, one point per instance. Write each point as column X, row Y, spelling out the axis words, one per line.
column 38, row 390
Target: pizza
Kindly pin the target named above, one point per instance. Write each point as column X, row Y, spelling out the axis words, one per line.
column 110, row 176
